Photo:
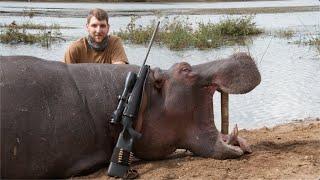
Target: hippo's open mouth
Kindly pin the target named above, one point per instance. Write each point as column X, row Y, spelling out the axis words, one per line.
column 232, row 140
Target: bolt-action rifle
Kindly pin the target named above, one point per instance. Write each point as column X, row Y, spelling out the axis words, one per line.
column 126, row 113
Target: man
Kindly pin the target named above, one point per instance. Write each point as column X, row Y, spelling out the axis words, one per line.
column 98, row 46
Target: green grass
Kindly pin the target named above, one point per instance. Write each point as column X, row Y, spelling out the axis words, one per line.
column 136, row 34
column 285, row 33
column 315, row 41
column 20, row 33
column 176, row 34
column 310, row 40
column 30, row 25
column 305, row 39
column 180, row 34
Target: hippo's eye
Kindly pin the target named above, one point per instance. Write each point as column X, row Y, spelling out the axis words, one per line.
column 185, row 69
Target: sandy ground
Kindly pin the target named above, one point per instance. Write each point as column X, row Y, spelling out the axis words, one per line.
column 289, row 151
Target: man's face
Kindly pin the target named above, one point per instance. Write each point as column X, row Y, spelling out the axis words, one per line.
column 98, row 30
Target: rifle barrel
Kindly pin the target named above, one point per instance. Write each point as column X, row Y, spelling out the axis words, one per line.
column 150, row 43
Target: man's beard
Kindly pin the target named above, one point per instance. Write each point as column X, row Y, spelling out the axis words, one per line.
column 98, row 46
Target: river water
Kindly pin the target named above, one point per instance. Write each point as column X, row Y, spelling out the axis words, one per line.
column 290, row 87
column 155, row 6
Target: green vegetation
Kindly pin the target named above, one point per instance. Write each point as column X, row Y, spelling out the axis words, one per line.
column 310, row 39
column 287, row 33
column 29, row 25
column 305, row 39
column 314, row 41
column 20, row 33
column 180, row 34
column 136, row 34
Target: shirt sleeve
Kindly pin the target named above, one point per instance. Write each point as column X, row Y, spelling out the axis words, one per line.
column 119, row 55
column 70, row 55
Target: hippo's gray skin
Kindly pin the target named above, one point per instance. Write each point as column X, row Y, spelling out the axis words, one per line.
column 55, row 117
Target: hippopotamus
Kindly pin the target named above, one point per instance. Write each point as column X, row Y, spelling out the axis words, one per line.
column 55, row 117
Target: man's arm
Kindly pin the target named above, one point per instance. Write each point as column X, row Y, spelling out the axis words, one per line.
column 119, row 55
column 70, row 55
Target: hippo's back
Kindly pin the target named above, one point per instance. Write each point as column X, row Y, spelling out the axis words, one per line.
column 44, row 124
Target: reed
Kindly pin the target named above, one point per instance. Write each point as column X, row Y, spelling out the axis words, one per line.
column 284, row 33
column 15, row 33
column 180, row 34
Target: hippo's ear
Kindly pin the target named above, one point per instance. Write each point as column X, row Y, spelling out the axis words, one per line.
column 158, row 78
column 237, row 74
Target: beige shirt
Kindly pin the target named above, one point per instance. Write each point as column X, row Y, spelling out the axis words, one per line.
column 80, row 52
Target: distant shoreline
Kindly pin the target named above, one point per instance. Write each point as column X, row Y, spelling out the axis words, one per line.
column 80, row 13
column 134, row 1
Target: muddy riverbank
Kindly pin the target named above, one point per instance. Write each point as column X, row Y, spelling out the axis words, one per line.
column 288, row 151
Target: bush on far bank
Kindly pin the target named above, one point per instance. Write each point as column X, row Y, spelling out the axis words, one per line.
column 180, row 34
column 15, row 33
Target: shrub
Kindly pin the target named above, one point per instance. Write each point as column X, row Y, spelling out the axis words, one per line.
column 15, row 33
column 179, row 34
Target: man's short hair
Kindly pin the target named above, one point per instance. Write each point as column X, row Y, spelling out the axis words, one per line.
column 100, row 14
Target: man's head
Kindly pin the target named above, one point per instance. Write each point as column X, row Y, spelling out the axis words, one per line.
column 98, row 24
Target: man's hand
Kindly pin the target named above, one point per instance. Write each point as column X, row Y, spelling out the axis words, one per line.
column 119, row 62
